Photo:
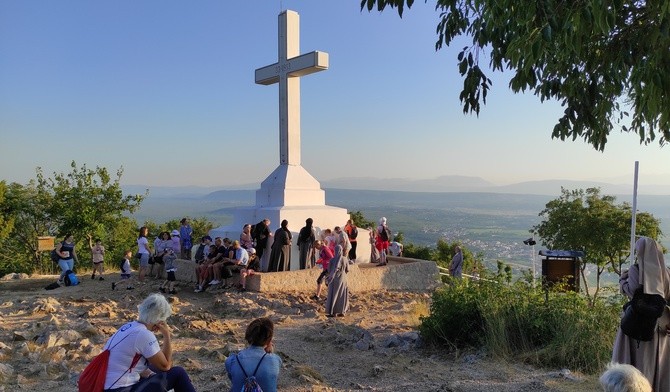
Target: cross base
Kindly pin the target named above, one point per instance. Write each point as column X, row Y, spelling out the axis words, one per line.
column 290, row 185
column 324, row 217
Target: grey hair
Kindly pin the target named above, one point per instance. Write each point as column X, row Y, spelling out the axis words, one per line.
column 154, row 309
column 624, row 378
column 382, row 221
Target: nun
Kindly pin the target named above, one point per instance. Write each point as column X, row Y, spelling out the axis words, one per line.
column 651, row 358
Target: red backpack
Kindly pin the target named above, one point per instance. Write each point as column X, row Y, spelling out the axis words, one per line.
column 92, row 379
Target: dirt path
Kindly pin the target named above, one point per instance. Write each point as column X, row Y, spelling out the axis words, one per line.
column 47, row 337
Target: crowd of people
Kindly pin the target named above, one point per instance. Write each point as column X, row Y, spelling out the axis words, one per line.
column 331, row 250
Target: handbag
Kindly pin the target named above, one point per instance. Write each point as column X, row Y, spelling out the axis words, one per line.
column 640, row 315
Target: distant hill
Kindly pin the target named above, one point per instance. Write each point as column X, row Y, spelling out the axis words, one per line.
column 477, row 184
column 451, row 183
column 439, row 184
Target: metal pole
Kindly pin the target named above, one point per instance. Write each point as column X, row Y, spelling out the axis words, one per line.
column 533, row 259
column 633, row 215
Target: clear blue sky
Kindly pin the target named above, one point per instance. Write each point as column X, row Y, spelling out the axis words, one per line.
column 166, row 90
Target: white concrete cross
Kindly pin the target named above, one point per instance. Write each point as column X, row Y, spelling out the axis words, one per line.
column 287, row 72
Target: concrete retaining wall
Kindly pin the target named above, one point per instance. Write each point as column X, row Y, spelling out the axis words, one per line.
column 400, row 274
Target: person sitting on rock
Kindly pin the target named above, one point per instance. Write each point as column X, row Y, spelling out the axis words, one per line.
column 224, row 254
column 252, row 268
column 203, row 269
column 135, row 343
column 234, row 264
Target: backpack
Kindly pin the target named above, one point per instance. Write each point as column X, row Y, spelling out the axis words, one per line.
column 250, row 383
column 55, row 257
column 640, row 315
column 92, row 379
column 385, row 234
column 354, row 233
column 70, row 278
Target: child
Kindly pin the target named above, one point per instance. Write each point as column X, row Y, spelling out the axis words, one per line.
column 97, row 256
column 325, row 254
column 168, row 260
column 125, row 271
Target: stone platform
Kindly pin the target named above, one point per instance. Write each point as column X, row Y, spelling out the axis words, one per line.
column 401, row 273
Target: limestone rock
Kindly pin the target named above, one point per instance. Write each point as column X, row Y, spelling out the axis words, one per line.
column 6, row 371
column 59, row 338
column 15, row 276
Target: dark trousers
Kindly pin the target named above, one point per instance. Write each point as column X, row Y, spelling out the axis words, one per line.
column 352, row 251
column 175, row 378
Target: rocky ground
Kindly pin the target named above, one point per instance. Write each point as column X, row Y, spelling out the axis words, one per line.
column 48, row 337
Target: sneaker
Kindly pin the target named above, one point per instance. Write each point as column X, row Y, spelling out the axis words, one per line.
column 212, row 283
column 315, row 297
column 92, row 276
column 113, row 285
column 101, row 278
column 198, row 290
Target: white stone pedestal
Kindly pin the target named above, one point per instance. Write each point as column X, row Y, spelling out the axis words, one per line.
column 291, row 193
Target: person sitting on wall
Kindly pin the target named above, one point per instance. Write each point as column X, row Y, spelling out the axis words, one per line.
column 252, row 268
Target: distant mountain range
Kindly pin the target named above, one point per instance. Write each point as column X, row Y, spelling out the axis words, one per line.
column 440, row 184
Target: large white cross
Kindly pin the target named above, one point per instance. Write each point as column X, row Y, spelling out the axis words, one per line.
column 287, row 72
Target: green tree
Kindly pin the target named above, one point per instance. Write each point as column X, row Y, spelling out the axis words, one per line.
column 87, row 201
column 418, row 252
column 26, row 207
column 360, row 221
column 472, row 263
column 593, row 223
column 201, row 226
column 83, row 202
column 6, row 218
column 599, row 59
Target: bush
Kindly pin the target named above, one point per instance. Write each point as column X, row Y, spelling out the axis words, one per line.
column 551, row 329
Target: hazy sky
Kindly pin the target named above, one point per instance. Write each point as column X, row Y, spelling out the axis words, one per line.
column 166, row 90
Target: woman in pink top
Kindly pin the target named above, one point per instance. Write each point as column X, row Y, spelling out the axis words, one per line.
column 325, row 254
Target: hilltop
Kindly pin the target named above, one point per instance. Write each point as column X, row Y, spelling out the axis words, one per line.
column 47, row 337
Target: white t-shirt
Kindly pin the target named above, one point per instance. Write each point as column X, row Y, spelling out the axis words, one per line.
column 395, row 248
column 142, row 245
column 138, row 340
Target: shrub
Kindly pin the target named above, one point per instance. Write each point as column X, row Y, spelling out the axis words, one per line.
column 554, row 329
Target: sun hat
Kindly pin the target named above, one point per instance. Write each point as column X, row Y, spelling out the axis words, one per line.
column 175, row 233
